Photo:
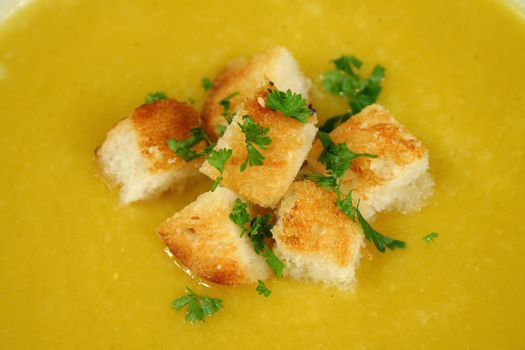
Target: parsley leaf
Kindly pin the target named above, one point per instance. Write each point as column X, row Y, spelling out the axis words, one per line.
column 379, row 240
column 346, row 205
column 262, row 289
column 199, row 306
column 344, row 81
column 332, row 123
column 290, row 104
column 226, row 113
column 345, row 63
column 183, row 148
column 273, row 261
column 217, row 159
column 337, row 157
column 260, row 228
column 327, row 182
column 206, row 83
column 155, row 96
column 220, row 129
column 431, row 237
column 240, row 215
column 226, row 104
column 254, row 134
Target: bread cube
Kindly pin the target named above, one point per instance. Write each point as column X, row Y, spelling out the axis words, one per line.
column 246, row 77
column 398, row 179
column 135, row 154
column 315, row 239
column 291, row 141
column 204, row 239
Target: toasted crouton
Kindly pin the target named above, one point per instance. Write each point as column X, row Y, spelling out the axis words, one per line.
column 135, row 154
column 291, row 141
column 247, row 77
column 204, row 239
column 314, row 239
column 397, row 179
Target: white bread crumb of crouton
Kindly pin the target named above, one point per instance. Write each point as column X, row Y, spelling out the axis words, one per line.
column 315, row 239
column 135, row 155
column 204, row 239
column 246, row 77
column 291, row 141
column 398, row 179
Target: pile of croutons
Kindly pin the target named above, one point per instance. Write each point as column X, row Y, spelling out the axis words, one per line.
column 308, row 233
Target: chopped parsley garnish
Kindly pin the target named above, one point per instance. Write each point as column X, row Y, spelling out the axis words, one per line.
column 327, row 182
column 346, row 205
column 183, row 148
column 226, row 105
column 191, row 100
column 337, row 158
column 220, row 128
column 240, row 215
column 255, row 135
column 333, row 122
column 262, row 289
column 226, row 113
column 379, row 240
column 431, row 237
column 273, row 261
column 199, row 306
column 345, row 81
column 290, row 104
column 217, row 159
column 206, row 83
column 260, row 229
column 155, row 96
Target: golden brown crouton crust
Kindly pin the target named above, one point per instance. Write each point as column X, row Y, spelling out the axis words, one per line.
column 374, row 130
column 232, row 79
column 314, row 225
column 258, row 183
column 243, row 76
column 198, row 237
column 158, row 122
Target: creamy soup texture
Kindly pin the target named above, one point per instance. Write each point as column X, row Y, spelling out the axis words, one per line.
column 78, row 271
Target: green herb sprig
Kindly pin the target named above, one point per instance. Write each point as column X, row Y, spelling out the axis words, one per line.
column 199, row 306
column 262, row 289
column 431, row 237
column 240, row 215
column 206, row 83
column 345, row 81
column 259, row 229
column 217, row 159
column 380, row 241
column 255, row 135
column 155, row 96
column 290, row 104
column 183, row 148
column 226, row 113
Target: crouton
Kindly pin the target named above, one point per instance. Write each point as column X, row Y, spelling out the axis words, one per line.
column 315, row 240
column 291, row 141
column 397, row 179
column 204, row 239
column 247, row 77
column 135, row 155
